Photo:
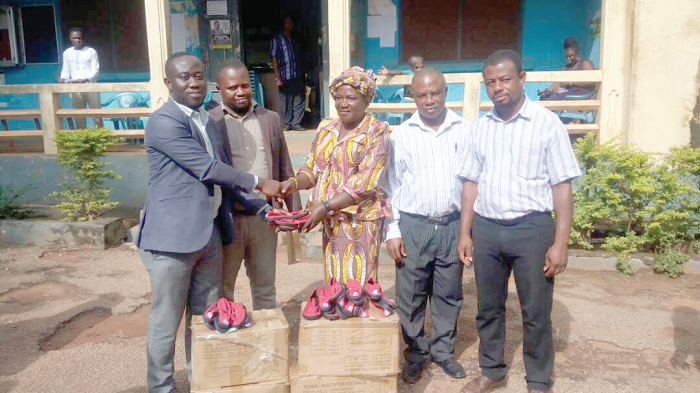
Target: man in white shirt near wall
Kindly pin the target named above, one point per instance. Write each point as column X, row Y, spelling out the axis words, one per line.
column 422, row 234
column 81, row 65
column 518, row 169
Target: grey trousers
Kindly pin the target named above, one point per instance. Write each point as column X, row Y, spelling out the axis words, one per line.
column 255, row 242
column 292, row 106
column 519, row 246
column 80, row 101
column 431, row 270
column 178, row 282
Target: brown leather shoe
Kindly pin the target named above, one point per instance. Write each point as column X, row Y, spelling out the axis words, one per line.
column 482, row 384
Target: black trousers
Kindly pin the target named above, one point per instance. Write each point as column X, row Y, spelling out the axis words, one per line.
column 519, row 246
column 431, row 270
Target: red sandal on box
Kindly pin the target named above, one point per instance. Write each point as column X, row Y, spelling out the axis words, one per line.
column 373, row 290
column 311, row 310
column 232, row 316
column 210, row 316
column 354, row 292
column 385, row 304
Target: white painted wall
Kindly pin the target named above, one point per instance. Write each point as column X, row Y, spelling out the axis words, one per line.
column 665, row 73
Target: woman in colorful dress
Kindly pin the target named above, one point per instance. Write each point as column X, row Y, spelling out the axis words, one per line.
column 346, row 168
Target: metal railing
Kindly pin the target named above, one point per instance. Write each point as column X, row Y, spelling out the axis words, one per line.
column 51, row 114
column 471, row 103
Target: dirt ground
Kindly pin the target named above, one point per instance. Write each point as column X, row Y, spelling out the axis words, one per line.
column 75, row 321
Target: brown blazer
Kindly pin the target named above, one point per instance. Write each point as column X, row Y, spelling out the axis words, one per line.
column 275, row 148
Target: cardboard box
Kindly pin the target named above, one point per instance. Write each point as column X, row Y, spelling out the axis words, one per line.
column 281, row 386
column 354, row 346
column 259, row 353
column 344, row 384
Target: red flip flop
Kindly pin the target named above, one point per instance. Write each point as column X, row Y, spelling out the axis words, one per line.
column 210, row 316
column 373, row 289
column 334, row 290
column 271, row 216
column 293, row 221
column 241, row 319
column 311, row 310
column 354, row 291
column 324, row 303
column 226, row 315
column 385, row 304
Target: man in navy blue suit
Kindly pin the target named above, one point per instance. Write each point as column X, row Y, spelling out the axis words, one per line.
column 187, row 214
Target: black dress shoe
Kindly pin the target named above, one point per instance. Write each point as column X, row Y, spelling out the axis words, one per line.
column 452, row 368
column 412, row 371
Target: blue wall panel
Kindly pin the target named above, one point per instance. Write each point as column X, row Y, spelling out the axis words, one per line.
column 545, row 24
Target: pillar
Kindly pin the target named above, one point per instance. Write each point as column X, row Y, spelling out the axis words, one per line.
column 616, row 64
column 159, row 47
column 338, row 42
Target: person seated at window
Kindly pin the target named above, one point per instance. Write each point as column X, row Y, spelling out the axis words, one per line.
column 416, row 62
column 574, row 62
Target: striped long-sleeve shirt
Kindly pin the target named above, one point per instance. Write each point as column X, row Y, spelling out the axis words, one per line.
column 421, row 178
column 281, row 48
column 516, row 162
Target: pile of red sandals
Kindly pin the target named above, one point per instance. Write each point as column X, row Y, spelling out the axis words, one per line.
column 225, row 316
column 288, row 222
column 342, row 301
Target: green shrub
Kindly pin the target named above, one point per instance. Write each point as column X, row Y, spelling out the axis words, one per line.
column 671, row 263
column 9, row 205
column 634, row 201
column 80, row 151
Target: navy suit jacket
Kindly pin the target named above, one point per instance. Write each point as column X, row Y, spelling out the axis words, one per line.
column 179, row 212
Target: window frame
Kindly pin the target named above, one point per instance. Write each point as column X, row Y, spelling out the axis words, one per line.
column 20, row 25
column 460, row 28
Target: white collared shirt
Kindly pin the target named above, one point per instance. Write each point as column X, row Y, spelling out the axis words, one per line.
column 421, row 176
column 516, row 162
column 80, row 64
column 201, row 118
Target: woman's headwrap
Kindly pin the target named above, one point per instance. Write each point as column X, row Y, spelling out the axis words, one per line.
column 364, row 81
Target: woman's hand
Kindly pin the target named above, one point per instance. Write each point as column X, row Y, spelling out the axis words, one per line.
column 316, row 215
column 287, row 187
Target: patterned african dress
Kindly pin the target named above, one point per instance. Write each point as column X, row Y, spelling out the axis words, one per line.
column 356, row 165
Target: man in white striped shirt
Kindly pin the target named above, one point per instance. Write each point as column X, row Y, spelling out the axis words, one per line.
column 422, row 235
column 518, row 168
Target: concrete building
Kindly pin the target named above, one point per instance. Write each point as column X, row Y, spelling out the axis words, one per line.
column 647, row 53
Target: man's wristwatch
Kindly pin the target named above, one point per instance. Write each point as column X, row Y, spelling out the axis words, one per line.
column 263, row 210
column 329, row 209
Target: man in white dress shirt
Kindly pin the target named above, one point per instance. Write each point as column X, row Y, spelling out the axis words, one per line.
column 81, row 65
column 422, row 235
column 517, row 170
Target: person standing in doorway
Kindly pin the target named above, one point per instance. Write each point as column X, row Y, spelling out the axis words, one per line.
column 81, row 65
column 422, row 234
column 257, row 147
column 283, row 50
column 517, row 169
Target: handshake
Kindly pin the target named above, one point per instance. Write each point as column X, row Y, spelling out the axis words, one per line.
column 303, row 220
column 276, row 189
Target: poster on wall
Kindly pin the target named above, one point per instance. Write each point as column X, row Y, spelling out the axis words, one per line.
column 220, row 31
column 217, row 7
